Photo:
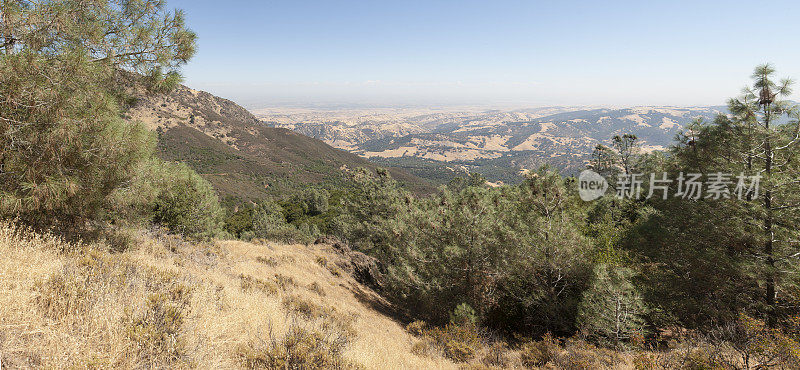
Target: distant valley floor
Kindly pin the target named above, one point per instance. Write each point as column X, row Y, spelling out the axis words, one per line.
column 439, row 144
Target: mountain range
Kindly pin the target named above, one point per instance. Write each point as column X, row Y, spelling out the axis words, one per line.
column 440, row 144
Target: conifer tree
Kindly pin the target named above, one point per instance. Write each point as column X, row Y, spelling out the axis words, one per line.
column 760, row 140
column 770, row 149
column 64, row 148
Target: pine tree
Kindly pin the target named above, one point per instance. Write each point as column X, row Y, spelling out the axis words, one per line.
column 611, row 310
column 64, row 149
column 760, row 139
column 771, row 149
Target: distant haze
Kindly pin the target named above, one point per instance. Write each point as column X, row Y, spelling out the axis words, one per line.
column 491, row 53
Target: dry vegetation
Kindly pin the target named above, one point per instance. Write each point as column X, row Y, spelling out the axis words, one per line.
column 158, row 301
column 164, row 302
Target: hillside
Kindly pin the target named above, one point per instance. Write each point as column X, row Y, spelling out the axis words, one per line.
column 239, row 155
column 499, row 144
column 173, row 303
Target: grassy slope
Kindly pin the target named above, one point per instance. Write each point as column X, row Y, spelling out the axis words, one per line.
column 87, row 306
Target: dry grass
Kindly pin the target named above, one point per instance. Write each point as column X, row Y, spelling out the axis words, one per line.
column 167, row 303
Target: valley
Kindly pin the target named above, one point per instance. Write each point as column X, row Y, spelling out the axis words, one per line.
column 439, row 144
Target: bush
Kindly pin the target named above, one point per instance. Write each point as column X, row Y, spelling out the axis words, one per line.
column 186, row 203
column 300, row 348
column 315, row 201
column 270, row 223
column 759, row 345
column 249, row 283
column 476, row 246
column 459, row 351
column 458, row 343
column 539, row 353
column 157, row 331
column 417, row 328
column 496, row 355
column 463, row 314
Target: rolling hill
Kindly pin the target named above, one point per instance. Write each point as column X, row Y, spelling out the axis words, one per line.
column 438, row 145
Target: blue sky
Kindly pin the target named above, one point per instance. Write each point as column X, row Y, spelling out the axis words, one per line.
column 493, row 53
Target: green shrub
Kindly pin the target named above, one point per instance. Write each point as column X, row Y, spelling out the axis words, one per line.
column 474, row 244
column 463, row 314
column 270, row 223
column 186, row 203
column 611, row 310
column 239, row 223
column 315, row 201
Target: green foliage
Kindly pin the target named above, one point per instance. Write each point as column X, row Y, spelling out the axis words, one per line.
column 627, row 150
column 709, row 258
column 611, row 310
column 270, row 223
column 315, row 201
column 463, row 314
column 533, row 258
column 369, row 210
column 512, row 253
column 239, row 222
column 186, row 203
column 66, row 156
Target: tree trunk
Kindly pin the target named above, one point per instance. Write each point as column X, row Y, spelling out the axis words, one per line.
column 768, row 221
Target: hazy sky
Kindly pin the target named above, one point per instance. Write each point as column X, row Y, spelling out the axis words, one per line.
column 492, row 52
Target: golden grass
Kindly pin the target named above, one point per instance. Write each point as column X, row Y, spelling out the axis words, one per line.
column 168, row 303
